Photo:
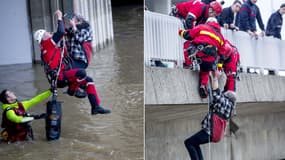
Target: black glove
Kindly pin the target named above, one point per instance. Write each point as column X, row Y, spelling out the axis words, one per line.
column 189, row 21
column 43, row 115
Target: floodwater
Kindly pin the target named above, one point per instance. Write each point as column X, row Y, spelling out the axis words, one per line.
column 118, row 74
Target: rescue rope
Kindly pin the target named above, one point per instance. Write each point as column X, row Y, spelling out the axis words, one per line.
column 210, row 99
column 58, row 71
column 209, row 103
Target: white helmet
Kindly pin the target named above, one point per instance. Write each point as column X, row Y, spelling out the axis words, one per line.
column 38, row 35
column 211, row 19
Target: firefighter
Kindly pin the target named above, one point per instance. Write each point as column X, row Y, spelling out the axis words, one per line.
column 195, row 12
column 229, row 63
column 15, row 119
column 73, row 78
column 208, row 41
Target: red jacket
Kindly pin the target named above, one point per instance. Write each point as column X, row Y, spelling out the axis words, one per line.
column 233, row 55
column 193, row 7
column 205, row 34
column 50, row 54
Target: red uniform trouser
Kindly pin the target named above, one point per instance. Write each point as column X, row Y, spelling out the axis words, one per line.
column 78, row 77
column 19, row 132
column 230, row 69
column 206, row 66
column 186, row 55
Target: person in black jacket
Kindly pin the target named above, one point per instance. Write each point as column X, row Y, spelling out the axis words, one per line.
column 275, row 21
column 226, row 19
column 247, row 17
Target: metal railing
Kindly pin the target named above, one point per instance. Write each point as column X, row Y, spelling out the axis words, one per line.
column 162, row 42
column 264, row 53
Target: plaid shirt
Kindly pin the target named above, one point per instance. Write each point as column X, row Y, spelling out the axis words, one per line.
column 221, row 105
column 76, row 40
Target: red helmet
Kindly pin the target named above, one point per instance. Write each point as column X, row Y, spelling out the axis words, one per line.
column 217, row 7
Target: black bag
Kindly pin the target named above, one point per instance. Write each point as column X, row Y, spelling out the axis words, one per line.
column 53, row 120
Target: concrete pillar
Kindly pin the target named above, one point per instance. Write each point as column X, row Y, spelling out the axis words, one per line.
column 42, row 17
column 99, row 14
column 15, row 36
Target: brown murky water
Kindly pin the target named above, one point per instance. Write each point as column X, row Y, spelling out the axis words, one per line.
column 118, row 74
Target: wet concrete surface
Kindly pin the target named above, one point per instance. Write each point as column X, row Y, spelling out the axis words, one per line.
column 118, row 74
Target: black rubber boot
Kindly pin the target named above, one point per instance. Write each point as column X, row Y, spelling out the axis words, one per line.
column 203, row 91
column 99, row 110
column 96, row 108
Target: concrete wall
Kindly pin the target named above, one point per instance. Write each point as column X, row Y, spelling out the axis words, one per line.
column 180, row 86
column 260, row 137
column 41, row 17
column 15, row 36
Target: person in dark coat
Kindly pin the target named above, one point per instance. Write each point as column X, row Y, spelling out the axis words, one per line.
column 247, row 17
column 227, row 17
column 275, row 22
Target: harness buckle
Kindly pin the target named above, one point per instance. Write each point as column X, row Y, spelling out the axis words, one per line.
column 200, row 47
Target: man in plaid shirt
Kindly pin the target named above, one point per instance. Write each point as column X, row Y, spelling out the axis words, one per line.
column 223, row 105
column 79, row 34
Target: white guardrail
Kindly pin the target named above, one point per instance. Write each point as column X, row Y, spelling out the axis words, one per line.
column 99, row 14
column 161, row 41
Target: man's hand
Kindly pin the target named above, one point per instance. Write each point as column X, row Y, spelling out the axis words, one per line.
column 234, row 27
column 253, row 34
column 73, row 24
column 218, row 74
column 43, row 115
column 214, row 75
column 58, row 15
column 226, row 26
